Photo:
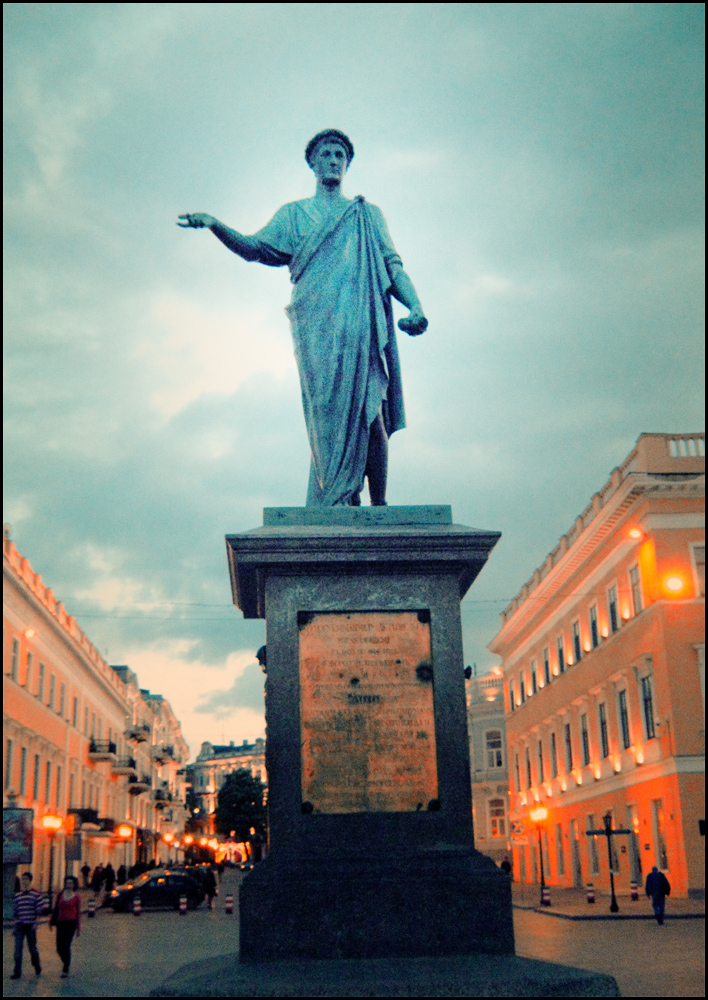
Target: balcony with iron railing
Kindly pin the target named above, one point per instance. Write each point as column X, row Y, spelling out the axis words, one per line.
column 137, row 784
column 138, row 733
column 124, row 765
column 102, row 750
column 163, row 753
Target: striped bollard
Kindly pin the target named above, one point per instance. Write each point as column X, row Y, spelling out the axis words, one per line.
column 137, row 906
column 634, row 890
column 545, row 896
column 92, row 906
column 229, row 903
column 182, row 904
column 591, row 892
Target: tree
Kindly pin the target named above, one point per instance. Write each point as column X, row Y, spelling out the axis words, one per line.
column 240, row 806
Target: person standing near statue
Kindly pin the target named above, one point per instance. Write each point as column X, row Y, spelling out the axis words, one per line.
column 344, row 268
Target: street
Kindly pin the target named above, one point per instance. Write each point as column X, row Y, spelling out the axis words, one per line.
column 123, row 955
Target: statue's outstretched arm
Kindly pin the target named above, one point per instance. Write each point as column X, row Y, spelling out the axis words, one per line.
column 402, row 287
column 244, row 246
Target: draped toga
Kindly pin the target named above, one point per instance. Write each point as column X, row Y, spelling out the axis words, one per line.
column 342, row 265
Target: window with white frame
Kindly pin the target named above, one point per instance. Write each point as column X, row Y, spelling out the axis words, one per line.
column 522, row 687
column 635, row 586
column 577, row 650
column 40, row 681
column 624, row 719
column 512, row 702
column 594, row 630
column 568, row 745
column 28, row 672
column 554, row 757
column 52, row 690
column 495, row 754
column 547, row 665
column 534, row 679
column 613, row 608
column 541, row 777
column 585, row 738
column 15, row 660
column 560, row 651
column 604, row 735
column 647, row 695
column 528, row 769
column 497, row 817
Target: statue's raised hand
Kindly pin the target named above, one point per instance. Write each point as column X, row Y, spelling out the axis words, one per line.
column 196, row 220
column 414, row 324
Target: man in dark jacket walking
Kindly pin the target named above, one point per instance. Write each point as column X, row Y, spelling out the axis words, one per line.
column 657, row 886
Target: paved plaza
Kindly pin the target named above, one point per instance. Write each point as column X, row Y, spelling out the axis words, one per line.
column 123, row 955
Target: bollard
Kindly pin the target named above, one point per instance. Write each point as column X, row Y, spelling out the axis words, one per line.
column 545, row 896
column 229, row 903
column 137, row 906
column 92, row 906
column 182, row 904
column 634, row 891
column 591, row 892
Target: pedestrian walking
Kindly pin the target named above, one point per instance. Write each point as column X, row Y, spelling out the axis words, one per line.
column 86, row 871
column 121, row 876
column 658, row 888
column 97, row 879
column 26, row 908
column 210, row 886
column 66, row 917
column 506, row 865
column 109, row 878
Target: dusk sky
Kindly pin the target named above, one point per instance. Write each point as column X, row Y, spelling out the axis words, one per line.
column 540, row 167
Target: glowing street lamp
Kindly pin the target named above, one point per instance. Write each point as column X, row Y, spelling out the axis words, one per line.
column 124, row 832
column 51, row 824
column 539, row 815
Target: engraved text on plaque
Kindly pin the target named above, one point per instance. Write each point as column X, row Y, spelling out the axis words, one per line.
column 366, row 710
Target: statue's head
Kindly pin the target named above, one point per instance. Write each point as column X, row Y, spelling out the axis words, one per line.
column 331, row 135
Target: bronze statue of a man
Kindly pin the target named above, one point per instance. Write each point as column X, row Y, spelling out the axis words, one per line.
column 344, row 268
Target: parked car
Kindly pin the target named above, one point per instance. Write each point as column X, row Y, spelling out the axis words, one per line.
column 158, row 888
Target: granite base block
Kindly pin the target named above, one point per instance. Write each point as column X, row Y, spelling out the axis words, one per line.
column 370, row 909
column 469, row 976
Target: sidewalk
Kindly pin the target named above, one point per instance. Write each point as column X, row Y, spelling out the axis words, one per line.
column 572, row 904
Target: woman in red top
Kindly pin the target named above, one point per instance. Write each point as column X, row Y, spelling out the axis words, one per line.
column 66, row 917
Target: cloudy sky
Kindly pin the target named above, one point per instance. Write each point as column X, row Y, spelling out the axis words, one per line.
column 540, row 169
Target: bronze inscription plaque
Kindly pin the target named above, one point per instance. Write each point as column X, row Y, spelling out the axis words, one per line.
column 366, row 712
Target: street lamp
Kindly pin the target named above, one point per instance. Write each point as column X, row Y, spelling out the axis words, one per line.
column 52, row 824
column 169, row 840
column 125, row 833
column 539, row 815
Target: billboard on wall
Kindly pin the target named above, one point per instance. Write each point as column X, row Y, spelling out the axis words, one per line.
column 17, row 828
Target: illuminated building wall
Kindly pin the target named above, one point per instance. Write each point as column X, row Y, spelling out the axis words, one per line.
column 604, row 679
column 81, row 740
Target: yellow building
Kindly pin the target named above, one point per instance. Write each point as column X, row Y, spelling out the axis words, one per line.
column 82, row 742
column 604, row 672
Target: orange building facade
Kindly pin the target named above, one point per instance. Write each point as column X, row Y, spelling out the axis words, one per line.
column 81, row 741
column 603, row 656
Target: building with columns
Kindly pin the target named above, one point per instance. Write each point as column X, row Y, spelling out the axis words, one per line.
column 82, row 742
column 604, row 674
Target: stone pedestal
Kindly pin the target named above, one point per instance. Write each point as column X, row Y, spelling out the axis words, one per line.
column 371, row 849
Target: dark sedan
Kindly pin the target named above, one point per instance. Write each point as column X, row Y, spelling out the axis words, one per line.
column 158, row 889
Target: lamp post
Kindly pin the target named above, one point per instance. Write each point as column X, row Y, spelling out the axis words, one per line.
column 539, row 815
column 52, row 824
column 168, row 838
column 125, row 833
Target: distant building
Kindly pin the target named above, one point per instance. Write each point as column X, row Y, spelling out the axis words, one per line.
column 490, row 773
column 603, row 655
column 211, row 768
column 81, row 740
